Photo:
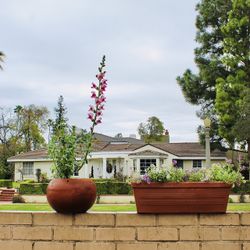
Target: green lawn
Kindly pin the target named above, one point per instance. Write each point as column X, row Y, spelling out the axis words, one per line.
column 103, row 207
column 46, row 207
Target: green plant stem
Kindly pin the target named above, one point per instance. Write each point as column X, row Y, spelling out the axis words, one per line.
column 90, row 139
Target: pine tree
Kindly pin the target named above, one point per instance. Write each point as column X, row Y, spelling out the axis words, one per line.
column 199, row 89
column 61, row 120
column 233, row 91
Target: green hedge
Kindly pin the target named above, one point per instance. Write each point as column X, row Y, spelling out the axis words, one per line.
column 103, row 187
column 33, row 188
column 242, row 189
column 110, row 187
column 6, row 183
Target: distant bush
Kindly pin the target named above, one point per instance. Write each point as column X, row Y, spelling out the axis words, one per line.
column 33, row 188
column 6, row 183
column 18, row 199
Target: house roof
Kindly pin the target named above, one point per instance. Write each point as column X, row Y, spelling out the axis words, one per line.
column 185, row 149
column 35, row 154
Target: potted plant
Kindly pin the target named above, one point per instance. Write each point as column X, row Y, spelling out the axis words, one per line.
column 69, row 151
column 178, row 191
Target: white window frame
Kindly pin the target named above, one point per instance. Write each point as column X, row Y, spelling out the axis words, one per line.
column 198, row 163
column 143, row 168
column 28, row 168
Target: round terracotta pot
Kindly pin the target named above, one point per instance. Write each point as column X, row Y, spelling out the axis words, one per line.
column 71, row 195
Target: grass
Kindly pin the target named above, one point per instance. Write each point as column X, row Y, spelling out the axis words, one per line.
column 238, row 207
column 102, row 207
column 46, row 207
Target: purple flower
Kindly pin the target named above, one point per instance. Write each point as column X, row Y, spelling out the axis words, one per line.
column 146, row 179
column 174, row 162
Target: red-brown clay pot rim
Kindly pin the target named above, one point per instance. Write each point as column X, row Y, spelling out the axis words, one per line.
column 179, row 184
column 72, row 179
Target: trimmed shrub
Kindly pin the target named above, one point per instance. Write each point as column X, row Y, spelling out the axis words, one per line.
column 110, row 187
column 244, row 188
column 18, row 199
column 6, row 183
column 33, row 188
column 103, row 187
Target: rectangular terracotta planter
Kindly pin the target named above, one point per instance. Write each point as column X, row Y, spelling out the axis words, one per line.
column 182, row 197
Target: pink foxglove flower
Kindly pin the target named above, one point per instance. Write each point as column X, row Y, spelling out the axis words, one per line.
column 95, row 111
column 94, row 86
column 100, row 76
column 91, row 108
column 93, row 94
column 99, row 121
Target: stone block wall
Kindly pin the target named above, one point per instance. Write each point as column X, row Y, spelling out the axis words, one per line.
column 123, row 231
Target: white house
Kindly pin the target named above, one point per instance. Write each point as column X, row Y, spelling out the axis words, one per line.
column 120, row 156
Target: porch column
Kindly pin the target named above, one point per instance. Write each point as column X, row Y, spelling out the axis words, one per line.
column 86, row 171
column 158, row 162
column 104, row 167
column 138, row 165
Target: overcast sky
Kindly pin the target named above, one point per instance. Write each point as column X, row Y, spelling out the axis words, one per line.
column 53, row 48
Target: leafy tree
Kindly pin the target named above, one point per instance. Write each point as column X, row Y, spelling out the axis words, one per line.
column 1, row 58
column 21, row 130
column 152, row 130
column 199, row 88
column 9, row 143
column 31, row 122
column 232, row 92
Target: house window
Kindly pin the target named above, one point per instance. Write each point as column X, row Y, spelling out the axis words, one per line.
column 28, row 168
column 197, row 163
column 179, row 163
column 145, row 163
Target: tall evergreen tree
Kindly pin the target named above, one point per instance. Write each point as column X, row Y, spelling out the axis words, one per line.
column 199, row 89
column 232, row 92
column 60, row 111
